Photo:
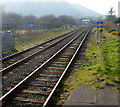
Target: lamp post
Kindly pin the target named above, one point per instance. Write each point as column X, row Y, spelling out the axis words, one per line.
column 12, row 32
column 12, row 25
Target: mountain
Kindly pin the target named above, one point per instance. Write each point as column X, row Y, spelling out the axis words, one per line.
column 45, row 8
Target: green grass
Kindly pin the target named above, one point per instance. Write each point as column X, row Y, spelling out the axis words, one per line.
column 98, row 67
column 109, row 50
column 30, row 39
column 103, row 60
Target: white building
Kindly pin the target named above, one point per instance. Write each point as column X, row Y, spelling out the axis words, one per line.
column 86, row 22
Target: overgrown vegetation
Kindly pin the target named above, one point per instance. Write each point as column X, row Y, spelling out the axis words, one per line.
column 110, row 20
column 98, row 66
column 30, row 39
column 99, row 63
column 110, row 49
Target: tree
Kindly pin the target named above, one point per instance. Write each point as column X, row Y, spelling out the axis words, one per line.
column 111, row 11
column 48, row 19
column 111, row 17
column 64, row 19
column 11, row 20
column 110, row 20
column 117, row 20
column 30, row 19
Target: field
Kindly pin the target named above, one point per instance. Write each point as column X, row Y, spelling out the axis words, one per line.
column 30, row 39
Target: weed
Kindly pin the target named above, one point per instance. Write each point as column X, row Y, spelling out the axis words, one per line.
column 99, row 66
column 32, row 38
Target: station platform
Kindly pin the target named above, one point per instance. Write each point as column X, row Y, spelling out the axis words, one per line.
column 86, row 96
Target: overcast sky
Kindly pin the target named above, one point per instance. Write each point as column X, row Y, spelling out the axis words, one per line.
column 100, row 6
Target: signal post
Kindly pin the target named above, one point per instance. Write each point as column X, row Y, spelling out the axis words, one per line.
column 99, row 31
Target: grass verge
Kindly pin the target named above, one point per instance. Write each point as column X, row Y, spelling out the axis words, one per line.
column 30, row 39
column 98, row 65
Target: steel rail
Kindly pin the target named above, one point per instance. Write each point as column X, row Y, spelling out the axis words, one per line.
column 28, row 49
column 4, row 70
column 52, row 92
column 20, row 55
column 5, row 96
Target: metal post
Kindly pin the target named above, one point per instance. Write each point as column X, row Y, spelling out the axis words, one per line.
column 97, row 36
column 101, row 30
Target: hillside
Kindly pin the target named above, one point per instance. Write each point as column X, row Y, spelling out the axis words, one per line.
column 44, row 8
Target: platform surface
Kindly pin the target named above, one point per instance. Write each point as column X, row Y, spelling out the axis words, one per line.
column 86, row 95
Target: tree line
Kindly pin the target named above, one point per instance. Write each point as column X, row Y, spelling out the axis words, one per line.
column 17, row 21
column 111, row 20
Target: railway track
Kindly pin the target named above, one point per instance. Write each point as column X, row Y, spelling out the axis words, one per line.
column 37, row 87
column 15, row 60
column 9, row 60
column 26, row 66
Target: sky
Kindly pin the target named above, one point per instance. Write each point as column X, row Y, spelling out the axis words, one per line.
column 100, row 6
